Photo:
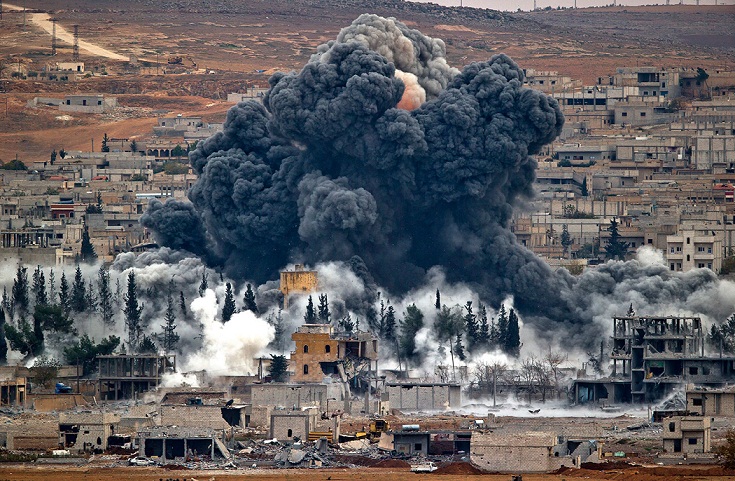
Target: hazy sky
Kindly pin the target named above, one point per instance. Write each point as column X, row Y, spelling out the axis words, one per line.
column 512, row 5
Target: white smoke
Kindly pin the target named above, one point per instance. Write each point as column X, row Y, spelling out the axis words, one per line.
column 649, row 256
column 227, row 348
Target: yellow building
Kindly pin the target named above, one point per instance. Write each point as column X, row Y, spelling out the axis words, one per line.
column 297, row 281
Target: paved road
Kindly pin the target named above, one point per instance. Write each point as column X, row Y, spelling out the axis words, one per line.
column 43, row 20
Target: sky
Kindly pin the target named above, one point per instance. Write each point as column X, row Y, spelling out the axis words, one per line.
column 508, row 5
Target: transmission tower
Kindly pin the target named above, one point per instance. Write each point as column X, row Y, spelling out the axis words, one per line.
column 75, row 48
column 53, row 37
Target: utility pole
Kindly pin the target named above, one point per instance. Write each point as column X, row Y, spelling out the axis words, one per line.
column 75, row 48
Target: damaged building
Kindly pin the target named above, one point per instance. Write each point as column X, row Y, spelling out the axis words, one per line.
column 651, row 357
column 289, row 424
column 711, row 401
column 297, row 281
column 687, row 434
column 173, row 443
column 127, row 376
column 351, row 357
column 86, row 431
column 530, row 452
column 424, row 396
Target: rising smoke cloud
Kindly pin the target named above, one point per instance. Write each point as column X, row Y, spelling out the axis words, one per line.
column 380, row 156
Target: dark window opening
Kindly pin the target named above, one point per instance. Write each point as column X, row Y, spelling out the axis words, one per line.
column 290, row 433
column 672, row 427
column 306, row 369
column 306, row 349
column 692, row 440
column 696, row 402
column 327, row 348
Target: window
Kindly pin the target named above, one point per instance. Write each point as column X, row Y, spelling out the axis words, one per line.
column 700, row 265
column 624, row 114
column 306, row 349
column 290, row 433
column 663, row 85
column 692, row 440
column 688, row 240
column 672, row 250
column 650, row 241
column 689, row 257
column 99, row 102
column 700, row 249
column 678, row 265
column 709, row 250
column 709, row 265
column 672, row 427
column 306, row 369
column 327, row 348
column 643, row 114
column 417, row 446
column 693, row 370
column 672, row 266
column 99, row 441
column 68, row 102
column 84, row 102
column 696, row 402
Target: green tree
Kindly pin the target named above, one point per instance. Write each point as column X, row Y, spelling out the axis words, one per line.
column 64, row 295
column 438, row 302
column 20, row 291
column 169, row 339
column 513, row 337
column 278, row 368
column 203, row 285
column 133, row 146
column 39, row 286
column 585, row 192
column 726, row 452
column 615, row 248
column 228, row 308
column 472, row 328
column 84, row 352
column 87, row 252
column 723, row 336
column 62, row 153
column 78, row 292
column 310, row 316
column 413, row 321
column 105, row 295
column 44, row 370
column 90, row 298
column 502, row 327
column 178, row 152
column 388, row 326
column 132, row 313
column 182, row 305
column 346, row 323
column 53, row 156
column 3, row 343
column 14, row 164
column 29, row 339
column 483, row 335
column 459, row 348
column 105, row 140
column 147, row 346
column 323, row 309
column 249, row 300
column 447, row 326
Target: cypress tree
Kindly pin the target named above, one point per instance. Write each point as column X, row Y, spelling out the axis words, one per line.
column 78, row 292
column 483, row 334
column 470, row 322
column 324, row 314
column 20, row 292
column 182, row 305
column 310, row 316
column 132, row 313
column 39, row 287
column 228, row 309
column 438, row 303
column 170, row 338
column 105, row 295
column 204, row 284
column 87, row 253
column 459, row 348
column 513, row 338
column 64, row 296
column 502, row 327
column 249, row 300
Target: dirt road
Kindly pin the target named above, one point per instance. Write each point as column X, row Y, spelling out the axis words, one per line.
column 43, row 20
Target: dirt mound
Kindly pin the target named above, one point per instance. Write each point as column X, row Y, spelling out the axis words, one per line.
column 606, row 466
column 391, row 463
column 458, row 468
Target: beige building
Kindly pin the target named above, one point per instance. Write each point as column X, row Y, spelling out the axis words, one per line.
column 694, row 249
column 297, row 281
column 711, row 402
column 687, row 434
column 86, row 431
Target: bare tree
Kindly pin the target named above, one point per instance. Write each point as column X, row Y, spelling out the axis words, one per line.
column 535, row 377
column 553, row 361
column 486, row 377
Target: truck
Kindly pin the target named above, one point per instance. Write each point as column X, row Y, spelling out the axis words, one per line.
column 423, row 468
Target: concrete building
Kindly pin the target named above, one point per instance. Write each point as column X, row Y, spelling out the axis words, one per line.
column 652, row 356
column 711, row 401
column 13, row 392
column 320, row 352
column 294, row 395
column 694, row 249
column 297, row 281
column 127, row 376
column 285, row 425
column 88, row 103
column 171, row 443
column 424, row 396
column 194, row 408
column 687, row 434
column 651, row 82
column 86, row 431
column 411, row 441
column 530, row 452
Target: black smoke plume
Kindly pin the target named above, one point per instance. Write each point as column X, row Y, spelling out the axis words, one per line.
column 328, row 169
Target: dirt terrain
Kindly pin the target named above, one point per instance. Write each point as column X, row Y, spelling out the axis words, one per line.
column 90, row 473
column 244, row 42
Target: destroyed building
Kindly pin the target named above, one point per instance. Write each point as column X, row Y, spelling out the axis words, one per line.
column 194, row 408
column 346, row 356
column 652, row 356
column 127, row 376
column 86, row 431
column 13, row 392
column 530, row 452
column 288, row 424
column 172, row 443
